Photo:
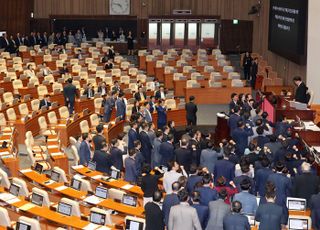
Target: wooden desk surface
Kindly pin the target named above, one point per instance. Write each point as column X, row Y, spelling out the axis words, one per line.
column 214, row 95
column 95, row 175
column 133, row 211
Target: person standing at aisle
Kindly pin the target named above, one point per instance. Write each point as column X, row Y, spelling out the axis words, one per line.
column 254, row 72
column 246, row 64
column 69, row 93
column 130, row 43
column 192, row 110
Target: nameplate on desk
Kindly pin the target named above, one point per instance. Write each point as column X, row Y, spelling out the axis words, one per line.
column 91, row 226
column 61, row 188
column 77, row 167
column 97, row 177
column 127, row 186
column 25, row 170
column 26, row 207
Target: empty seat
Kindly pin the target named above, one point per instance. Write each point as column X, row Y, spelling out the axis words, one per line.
column 97, row 105
column 170, row 103
column 75, row 211
column 84, row 126
column 52, row 117
column 4, row 218
column 237, row 83
column 133, row 87
column 62, row 177
column 142, row 78
column 38, row 157
column 42, row 91
column 23, row 109
column 125, row 65
column 44, row 194
column 74, row 61
column 17, row 84
column 234, row 75
column 187, row 69
column 160, row 63
column 191, row 83
column 76, row 68
column 94, row 120
column 125, row 79
column 133, row 71
column 100, row 74
column 118, row 59
column 49, row 78
column 34, row 81
column 35, row 225
column 7, row 97
column 194, row 76
column 168, row 69
column 4, row 179
column 150, row 86
column 177, row 76
column 116, row 72
column 92, row 67
column 44, row 127
column 35, row 104
column 64, row 112
column 47, row 58
column 11, row 114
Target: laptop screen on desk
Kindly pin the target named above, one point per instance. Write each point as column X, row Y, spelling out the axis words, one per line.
column 97, row 218
column 129, row 200
column 298, row 224
column 37, row 199
column 296, row 204
column 55, row 176
column 64, row 209
column 75, row 184
column 101, row 192
column 134, row 225
column 22, row 226
column 14, row 189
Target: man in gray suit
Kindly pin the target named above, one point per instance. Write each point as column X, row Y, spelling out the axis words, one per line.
column 209, row 157
column 218, row 209
column 146, row 112
column 156, row 157
column 183, row 216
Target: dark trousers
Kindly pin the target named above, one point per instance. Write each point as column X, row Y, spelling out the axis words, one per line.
column 253, row 81
column 246, row 71
column 70, row 105
column 191, row 122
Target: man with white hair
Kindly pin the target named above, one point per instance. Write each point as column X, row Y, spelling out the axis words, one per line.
column 306, row 184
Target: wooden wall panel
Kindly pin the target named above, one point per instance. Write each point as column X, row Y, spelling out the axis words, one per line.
column 227, row 9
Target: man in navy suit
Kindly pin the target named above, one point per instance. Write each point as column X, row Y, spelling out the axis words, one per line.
column 160, row 94
column 240, row 135
column 184, row 155
column 103, row 159
column 301, row 91
column 234, row 102
column 162, row 114
column 146, row 146
column 315, row 210
column 224, row 168
column 132, row 134
column 248, row 201
column 235, row 220
column 193, row 178
column 202, row 210
column 85, row 153
column 108, row 106
column 207, row 194
column 140, row 160
column 170, row 200
column 152, row 103
column 234, row 119
column 282, row 183
column 261, row 139
column 121, row 106
column 131, row 170
column 261, row 176
column 167, row 150
column 116, row 154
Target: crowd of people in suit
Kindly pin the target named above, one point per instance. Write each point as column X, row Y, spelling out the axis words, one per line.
column 208, row 186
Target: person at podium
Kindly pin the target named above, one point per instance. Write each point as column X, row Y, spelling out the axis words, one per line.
column 301, row 94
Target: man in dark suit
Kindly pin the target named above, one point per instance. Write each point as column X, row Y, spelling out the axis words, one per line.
column 89, row 91
column 191, row 109
column 261, row 139
column 202, row 210
column 193, row 178
column 184, row 155
column 167, row 150
column 18, row 40
column 131, row 174
column 282, row 183
column 132, row 134
column 153, row 213
column 160, row 94
column 116, row 155
column 64, row 69
column 116, row 87
column 261, row 176
column 152, row 104
column 207, row 194
column 236, row 220
column 69, row 93
column 306, row 184
column 140, row 95
column 240, row 135
column 103, row 159
column 45, row 102
column 224, row 168
column 234, row 119
column 99, row 140
column 121, row 106
column 146, row 146
column 301, row 91
column 234, row 102
column 85, row 152
column 32, row 39
column 108, row 106
column 170, row 200
column 254, row 72
column 140, row 160
column 5, row 42
column 315, row 210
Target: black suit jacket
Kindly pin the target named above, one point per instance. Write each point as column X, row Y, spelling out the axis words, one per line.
column 301, row 93
column 184, row 157
column 103, row 161
column 254, row 69
column 98, row 141
column 154, row 217
column 43, row 103
column 158, row 95
column 69, row 92
column 138, row 97
column 149, row 184
column 192, row 110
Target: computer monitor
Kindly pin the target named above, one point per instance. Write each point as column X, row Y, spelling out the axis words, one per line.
column 64, row 208
column 296, row 204
column 38, row 168
column 133, row 223
column 14, row 189
column 115, row 174
column 251, row 220
column 97, row 218
column 75, row 184
column 55, row 176
column 37, row 199
column 101, row 192
column 298, row 223
column 92, row 165
column 129, row 200
column 22, row 226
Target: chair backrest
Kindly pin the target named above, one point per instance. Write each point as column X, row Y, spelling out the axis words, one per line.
column 23, row 109
column 75, row 206
column 97, row 104
column 125, row 65
column 4, row 179
column 23, row 186
column 170, row 103
column 150, row 86
column 34, row 81
column 85, row 185
column 49, row 78
column 142, row 78
column 133, row 71
column 125, row 79
column 118, row 59
column 74, row 61
column 17, row 84
column 233, row 75
column 7, row 97
column 63, row 177
column 94, row 120
column 100, row 74
column 195, row 75
column 116, row 72
column 11, row 114
column 35, row 104
column 47, row 57
column 59, row 63
column 44, row 194
column 129, row 110
column 30, row 154
column 76, row 68
column 12, row 75
column 190, row 83
column 186, row 69
column 64, row 112
column 84, row 126
column 52, row 117
column 57, row 86
column 35, row 225
column 116, row 194
column 236, row 83
column 69, row 45
column 108, row 81
column 23, row 48
column 215, row 84
column 227, row 69
column 88, row 60
column 42, row 123
column 222, row 62
column 63, row 56
column 4, row 218
column 42, row 90
column 3, row 121
column 75, row 154
column 92, row 67
column 76, row 84
column 133, row 87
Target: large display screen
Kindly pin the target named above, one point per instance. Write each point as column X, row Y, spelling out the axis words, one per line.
column 287, row 29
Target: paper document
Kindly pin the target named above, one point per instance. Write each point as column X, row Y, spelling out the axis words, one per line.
column 26, row 207
column 92, row 200
column 25, row 170
column 12, row 201
column 127, row 186
column 61, row 188
column 91, row 226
